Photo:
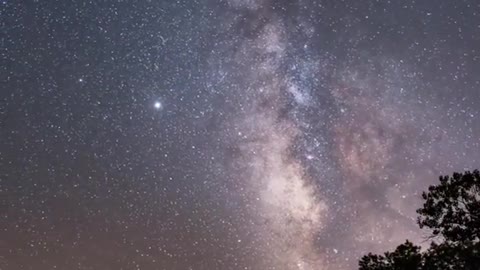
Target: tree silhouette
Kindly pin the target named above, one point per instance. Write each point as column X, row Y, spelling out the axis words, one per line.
column 405, row 256
column 452, row 212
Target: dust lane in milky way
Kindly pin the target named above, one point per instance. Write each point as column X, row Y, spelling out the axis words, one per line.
column 234, row 134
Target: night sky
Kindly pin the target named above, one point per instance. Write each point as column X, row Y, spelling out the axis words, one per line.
column 228, row 134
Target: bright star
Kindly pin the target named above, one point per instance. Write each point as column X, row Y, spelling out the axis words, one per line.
column 157, row 105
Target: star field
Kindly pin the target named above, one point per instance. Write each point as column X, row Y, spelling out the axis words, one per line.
column 228, row 134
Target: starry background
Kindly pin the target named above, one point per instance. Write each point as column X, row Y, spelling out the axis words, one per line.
column 234, row 134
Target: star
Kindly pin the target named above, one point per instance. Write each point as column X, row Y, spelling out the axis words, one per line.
column 157, row 105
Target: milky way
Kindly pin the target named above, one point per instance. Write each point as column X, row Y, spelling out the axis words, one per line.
column 238, row 134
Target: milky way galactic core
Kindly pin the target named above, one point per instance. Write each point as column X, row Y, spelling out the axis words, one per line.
column 234, row 134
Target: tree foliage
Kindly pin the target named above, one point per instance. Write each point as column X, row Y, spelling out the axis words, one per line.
column 452, row 212
column 405, row 256
column 452, row 209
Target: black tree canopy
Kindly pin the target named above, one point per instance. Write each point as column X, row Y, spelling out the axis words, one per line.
column 452, row 212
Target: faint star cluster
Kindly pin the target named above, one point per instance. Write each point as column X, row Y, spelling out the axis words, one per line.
column 228, row 134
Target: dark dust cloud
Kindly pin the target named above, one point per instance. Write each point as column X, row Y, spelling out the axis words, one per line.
column 238, row 134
